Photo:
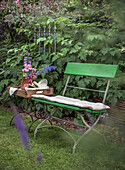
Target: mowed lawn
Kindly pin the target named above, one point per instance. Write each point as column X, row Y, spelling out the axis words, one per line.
column 56, row 149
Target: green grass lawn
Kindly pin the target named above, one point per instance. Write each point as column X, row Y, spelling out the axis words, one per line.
column 56, row 149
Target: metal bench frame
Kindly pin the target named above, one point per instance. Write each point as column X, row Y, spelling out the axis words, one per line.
column 80, row 69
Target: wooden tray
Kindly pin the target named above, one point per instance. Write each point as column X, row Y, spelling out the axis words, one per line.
column 29, row 93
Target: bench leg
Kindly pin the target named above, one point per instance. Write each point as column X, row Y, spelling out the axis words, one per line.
column 90, row 128
column 32, row 124
column 47, row 126
column 38, row 127
column 47, row 119
column 76, row 142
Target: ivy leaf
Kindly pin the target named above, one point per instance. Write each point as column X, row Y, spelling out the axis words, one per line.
column 87, row 81
column 93, row 81
column 81, row 83
column 99, row 84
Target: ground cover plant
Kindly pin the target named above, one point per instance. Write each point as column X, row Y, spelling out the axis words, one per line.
column 55, row 149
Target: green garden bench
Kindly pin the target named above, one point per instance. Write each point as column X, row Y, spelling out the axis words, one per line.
column 81, row 107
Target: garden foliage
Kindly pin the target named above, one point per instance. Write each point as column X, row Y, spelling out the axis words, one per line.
column 87, row 31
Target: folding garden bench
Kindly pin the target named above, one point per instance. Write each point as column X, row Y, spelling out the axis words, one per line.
column 81, row 107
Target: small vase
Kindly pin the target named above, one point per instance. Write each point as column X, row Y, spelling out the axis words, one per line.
column 25, row 82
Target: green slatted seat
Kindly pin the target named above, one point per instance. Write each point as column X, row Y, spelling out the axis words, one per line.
column 67, row 106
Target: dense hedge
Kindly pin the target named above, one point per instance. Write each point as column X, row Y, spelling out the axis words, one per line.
column 87, row 31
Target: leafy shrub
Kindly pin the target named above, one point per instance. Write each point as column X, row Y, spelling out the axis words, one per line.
column 85, row 33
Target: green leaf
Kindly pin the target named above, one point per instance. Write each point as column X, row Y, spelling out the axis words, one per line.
column 99, row 37
column 99, row 84
column 73, row 50
column 64, row 42
column 93, row 81
column 35, row 63
column 8, row 60
column 91, row 37
column 56, row 57
column 87, row 81
column 40, row 39
column 77, row 47
column 18, row 29
column 64, row 50
column 10, row 51
column 105, row 50
column 50, row 41
column 79, row 43
column 1, row 72
column 6, row 73
column 50, row 20
column 81, row 83
column 5, row 82
column 24, row 47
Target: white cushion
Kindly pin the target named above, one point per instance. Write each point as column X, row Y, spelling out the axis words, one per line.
column 73, row 102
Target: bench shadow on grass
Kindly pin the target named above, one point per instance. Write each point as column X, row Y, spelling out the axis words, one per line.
column 92, row 146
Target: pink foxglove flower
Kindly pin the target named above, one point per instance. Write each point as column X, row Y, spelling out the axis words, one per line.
column 21, row 16
column 26, row 7
column 17, row 1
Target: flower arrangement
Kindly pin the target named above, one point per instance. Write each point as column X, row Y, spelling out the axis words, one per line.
column 29, row 72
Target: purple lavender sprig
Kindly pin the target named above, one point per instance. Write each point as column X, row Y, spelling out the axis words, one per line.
column 39, row 158
column 24, row 138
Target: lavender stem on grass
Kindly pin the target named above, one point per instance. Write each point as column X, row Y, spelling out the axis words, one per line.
column 24, row 138
column 19, row 123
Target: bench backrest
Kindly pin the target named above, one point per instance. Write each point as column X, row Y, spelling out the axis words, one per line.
column 89, row 69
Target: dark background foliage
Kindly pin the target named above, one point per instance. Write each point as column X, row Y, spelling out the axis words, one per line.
column 89, row 31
